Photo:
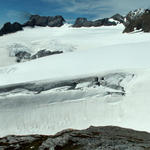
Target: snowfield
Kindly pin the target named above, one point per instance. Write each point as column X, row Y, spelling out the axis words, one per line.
column 102, row 78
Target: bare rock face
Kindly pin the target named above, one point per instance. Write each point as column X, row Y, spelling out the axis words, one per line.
column 137, row 20
column 118, row 17
column 43, row 53
column 36, row 20
column 83, row 22
column 93, row 138
column 10, row 28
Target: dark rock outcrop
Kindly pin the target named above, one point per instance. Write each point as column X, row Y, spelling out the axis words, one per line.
column 83, row 22
column 30, row 23
column 118, row 17
column 26, row 56
column 10, row 28
column 43, row 53
column 93, row 138
column 137, row 20
column 36, row 20
column 22, row 55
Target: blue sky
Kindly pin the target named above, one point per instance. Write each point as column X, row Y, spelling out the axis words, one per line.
column 18, row 10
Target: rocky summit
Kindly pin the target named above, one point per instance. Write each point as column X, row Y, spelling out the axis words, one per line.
column 93, row 138
column 36, row 20
column 118, row 18
column 10, row 28
column 137, row 20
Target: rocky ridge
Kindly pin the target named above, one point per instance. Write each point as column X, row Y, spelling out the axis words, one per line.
column 112, row 21
column 138, row 19
column 83, row 22
column 10, row 28
column 93, row 138
column 57, row 21
column 34, row 20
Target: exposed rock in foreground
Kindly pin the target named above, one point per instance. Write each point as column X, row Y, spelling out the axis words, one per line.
column 93, row 138
column 137, row 20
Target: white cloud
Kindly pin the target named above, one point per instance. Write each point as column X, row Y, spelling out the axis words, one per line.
column 103, row 8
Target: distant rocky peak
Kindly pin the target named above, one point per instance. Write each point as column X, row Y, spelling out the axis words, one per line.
column 51, row 21
column 138, row 19
column 118, row 18
column 136, row 13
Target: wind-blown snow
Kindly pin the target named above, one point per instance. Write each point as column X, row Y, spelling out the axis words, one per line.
column 88, row 51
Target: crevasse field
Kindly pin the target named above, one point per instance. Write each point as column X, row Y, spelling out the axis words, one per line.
column 119, row 61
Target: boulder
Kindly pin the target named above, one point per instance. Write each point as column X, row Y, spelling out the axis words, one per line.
column 10, row 28
column 93, row 138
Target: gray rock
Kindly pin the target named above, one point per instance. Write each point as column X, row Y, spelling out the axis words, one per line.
column 93, row 138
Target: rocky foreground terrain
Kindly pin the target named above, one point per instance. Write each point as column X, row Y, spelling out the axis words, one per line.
column 93, row 138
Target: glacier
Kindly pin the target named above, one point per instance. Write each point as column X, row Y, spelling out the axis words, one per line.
column 102, row 78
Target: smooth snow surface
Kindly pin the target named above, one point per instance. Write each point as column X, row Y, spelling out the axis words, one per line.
column 87, row 52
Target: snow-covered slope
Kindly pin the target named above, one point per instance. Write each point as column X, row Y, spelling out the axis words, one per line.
column 101, row 79
column 65, row 39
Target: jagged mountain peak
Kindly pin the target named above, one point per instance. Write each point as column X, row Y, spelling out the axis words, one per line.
column 138, row 19
column 136, row 13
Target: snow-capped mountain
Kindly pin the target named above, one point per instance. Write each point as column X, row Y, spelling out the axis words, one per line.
column 138, row 19
column 136, row 13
